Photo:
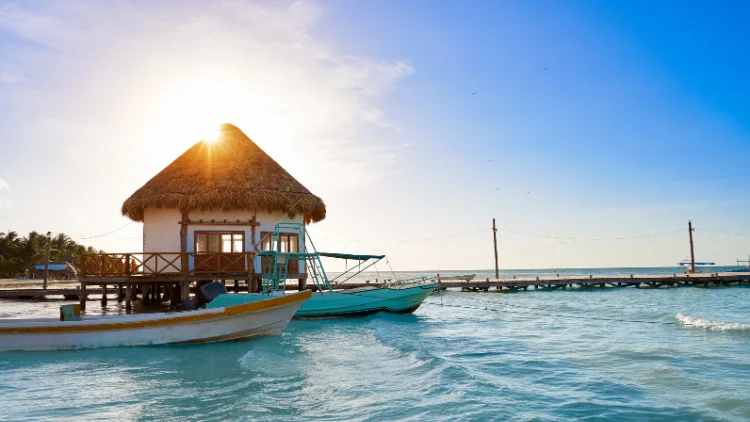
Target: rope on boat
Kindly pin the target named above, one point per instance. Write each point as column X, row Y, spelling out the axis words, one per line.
column 393, row 273
column 375, row 264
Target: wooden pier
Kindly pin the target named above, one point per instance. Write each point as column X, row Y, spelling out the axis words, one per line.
column 591, row 281
column 156, row 290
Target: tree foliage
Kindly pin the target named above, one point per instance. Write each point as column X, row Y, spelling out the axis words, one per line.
column 18, row 255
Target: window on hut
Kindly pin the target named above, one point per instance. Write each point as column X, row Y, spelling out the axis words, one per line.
column 288, row 242
column 219, row 242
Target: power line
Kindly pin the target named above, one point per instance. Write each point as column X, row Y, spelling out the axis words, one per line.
column 103, row 234
column 723, row 232
column 444, row 237
column 585, row 239
column 416, row 240
column 544, row 236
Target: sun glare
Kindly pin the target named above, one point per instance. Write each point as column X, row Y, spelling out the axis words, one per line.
column 194, row 108
column 211, row 135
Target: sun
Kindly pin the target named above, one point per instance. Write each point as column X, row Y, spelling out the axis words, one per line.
column 194, row 108
column 211, row 135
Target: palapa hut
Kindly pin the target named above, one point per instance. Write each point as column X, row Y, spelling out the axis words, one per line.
column 223, row 196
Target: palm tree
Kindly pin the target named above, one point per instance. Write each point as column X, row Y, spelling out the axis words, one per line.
column 20, row 254
column 32, row 250
column 60, row 247
column 10, row 264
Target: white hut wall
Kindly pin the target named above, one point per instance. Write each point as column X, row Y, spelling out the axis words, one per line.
column 161, row 234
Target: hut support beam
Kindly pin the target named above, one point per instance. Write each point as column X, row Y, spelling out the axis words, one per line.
column 174, row 294
column 146, row 294
column 184, row 290
column 83, row 296
column 183, row 242
column 129, row 297
column 104, row 295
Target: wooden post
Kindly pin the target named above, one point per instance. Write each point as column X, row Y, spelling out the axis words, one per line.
column 184, row 290
column 120, row 293
column 494, row 237
column 146, row 294
column 46, row 261
column 83, row 295
column 184, row 262
column 251, row 258
column 129, row 297
column 692, row 252
column 104, row 295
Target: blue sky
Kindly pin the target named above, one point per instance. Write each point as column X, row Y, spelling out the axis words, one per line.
column 412, row 120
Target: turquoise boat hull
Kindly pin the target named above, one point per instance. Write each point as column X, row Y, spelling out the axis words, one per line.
column 349, row 302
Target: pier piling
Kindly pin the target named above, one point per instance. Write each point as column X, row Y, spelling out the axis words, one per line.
column 104, row 295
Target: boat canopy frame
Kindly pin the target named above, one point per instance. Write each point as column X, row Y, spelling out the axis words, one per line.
column 274, row 273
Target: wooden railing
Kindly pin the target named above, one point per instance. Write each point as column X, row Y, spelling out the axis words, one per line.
column 166, row 263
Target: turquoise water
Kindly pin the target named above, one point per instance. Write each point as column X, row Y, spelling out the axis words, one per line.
column 537, row 355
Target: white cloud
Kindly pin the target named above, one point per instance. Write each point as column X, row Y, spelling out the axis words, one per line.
column 6, row 203
column 4, row 185
column 169, row 70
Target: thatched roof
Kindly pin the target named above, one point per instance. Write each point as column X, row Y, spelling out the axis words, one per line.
column 231, row 173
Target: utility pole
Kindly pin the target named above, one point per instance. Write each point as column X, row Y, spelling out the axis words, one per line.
column 494, row 236
column 692, row 250
column 46, row 261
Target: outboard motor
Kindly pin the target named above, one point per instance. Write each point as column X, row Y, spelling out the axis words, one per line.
column 213, row 289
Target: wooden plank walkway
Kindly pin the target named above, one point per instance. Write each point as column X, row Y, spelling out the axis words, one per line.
column 638, row 281
column 507, row 285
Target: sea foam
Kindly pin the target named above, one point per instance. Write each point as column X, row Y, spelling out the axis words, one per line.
column 710, row 325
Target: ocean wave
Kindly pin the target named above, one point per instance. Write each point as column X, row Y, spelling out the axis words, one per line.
column 710, row 325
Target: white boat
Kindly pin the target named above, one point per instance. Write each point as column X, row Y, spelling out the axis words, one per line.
column 400, row 299
column 397, row 297
column 245, row 321
column 699, row 265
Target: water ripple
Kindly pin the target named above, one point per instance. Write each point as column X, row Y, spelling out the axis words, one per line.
column 537, row 356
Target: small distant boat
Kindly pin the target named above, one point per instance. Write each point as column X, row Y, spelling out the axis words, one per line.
column 397, row 297
column 226, row 323
column 698, row 265
column 740, row 267
column 463, row 277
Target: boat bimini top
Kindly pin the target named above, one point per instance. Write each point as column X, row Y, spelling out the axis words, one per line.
column 276, row 269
